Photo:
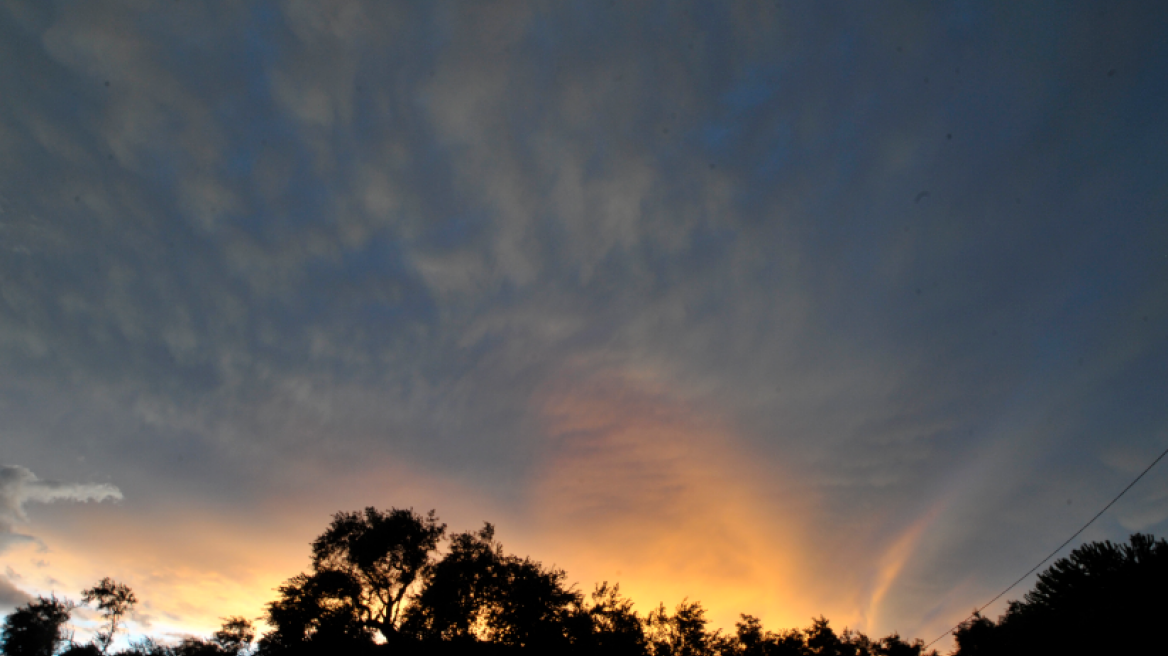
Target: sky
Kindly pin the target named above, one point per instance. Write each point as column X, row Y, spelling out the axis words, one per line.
column 790, row 308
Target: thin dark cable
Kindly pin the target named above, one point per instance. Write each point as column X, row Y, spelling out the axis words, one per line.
column 1052, row 554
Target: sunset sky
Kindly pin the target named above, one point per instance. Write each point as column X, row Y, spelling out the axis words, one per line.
column 791, row 308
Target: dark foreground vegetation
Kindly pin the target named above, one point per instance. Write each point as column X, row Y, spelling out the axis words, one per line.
column 378, row 585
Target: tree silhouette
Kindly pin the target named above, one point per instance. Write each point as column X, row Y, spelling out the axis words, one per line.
column 531, row 605
column 114, row 600
column 37, row 628
column 235, row 636
column 364, row 566
column 315, row 610
column 819, row 638
column 88, row 649
column 894, row 645
column 751, row 637
column 752, row 640
column 147, row 647
column 453, row 603
column 233, row 639
column 1090, row 601
column 608, row 624
column 978, row 636
column 194, row 647
column 384, row 553
column 822, row 640
column 478, row 593
column 683, row 633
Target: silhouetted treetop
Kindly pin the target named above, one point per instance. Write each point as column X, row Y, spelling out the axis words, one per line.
column 681, row 634
column 235, row 636
column 114, row 600
column 36, row 628
column 608, row 624
column 477, row 592
column 383, row 553
column 315, row 609
column 1102, row 598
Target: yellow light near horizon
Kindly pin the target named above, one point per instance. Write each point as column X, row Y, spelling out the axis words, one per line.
column 642, row 489
column 631, row 486
column 188, row 572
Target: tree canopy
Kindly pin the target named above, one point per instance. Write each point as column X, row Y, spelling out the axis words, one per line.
column 477, row 592
column 1102, row 598
column 36, row 628
column 381, row 554
column 364, row 566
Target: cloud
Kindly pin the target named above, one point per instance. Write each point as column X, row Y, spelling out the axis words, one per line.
column 10, row 595
column 18, row 486
column 355, row 233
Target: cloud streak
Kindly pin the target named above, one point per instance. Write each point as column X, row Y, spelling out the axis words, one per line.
column 19, row 486
column 10, row 595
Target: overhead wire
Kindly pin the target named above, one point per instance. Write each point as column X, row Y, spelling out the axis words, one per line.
column 1052, row 554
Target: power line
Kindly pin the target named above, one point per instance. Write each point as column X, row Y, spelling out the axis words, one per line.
column 1052, row 554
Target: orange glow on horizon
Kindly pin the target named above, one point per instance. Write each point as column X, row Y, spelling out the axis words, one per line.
column 187, row 572
column 639, row 488
column 633, row 485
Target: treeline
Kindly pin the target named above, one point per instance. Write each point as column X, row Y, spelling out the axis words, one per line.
column 378, row 585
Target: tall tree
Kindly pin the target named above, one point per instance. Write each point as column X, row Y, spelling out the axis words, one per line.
column 386, row 553
column 364, row 567
column 114, row 601
column 37, row 628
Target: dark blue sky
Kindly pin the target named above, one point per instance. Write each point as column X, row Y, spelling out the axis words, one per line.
column 793, row 308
